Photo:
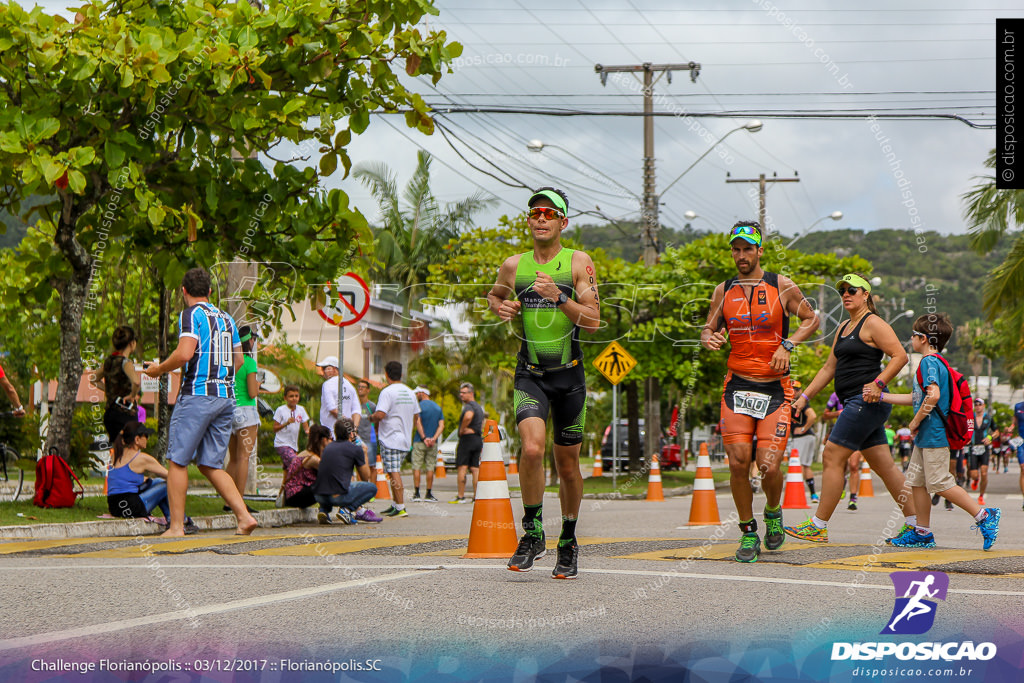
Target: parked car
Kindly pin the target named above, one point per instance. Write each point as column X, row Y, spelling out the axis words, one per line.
column 623, row 437
column 447, row 447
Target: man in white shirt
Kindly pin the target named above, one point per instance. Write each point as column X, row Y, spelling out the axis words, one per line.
column 397, row 414
column 329, row 408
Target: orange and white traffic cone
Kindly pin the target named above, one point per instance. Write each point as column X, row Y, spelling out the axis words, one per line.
column 654, row 491
column 796, row 496
column 598, row 469
column 704, row 506
column 493, row 530
column 439, row 471
column 513, row 466
column 867, row 489
column 383, row 490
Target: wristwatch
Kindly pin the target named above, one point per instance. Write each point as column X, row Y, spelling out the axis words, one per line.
column 562, row 299
column 788, row 345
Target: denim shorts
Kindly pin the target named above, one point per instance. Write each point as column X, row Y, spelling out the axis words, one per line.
column 200, row 430
column 244, row 416
column 861, row 425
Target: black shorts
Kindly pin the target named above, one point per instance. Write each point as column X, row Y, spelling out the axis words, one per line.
column 976, row 460
column 563, row 392
column 467, row 452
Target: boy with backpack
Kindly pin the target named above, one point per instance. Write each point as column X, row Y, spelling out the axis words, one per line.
column 943, row 418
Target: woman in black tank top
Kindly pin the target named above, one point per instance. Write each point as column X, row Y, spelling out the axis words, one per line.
column 855, row 364
column 119, row 382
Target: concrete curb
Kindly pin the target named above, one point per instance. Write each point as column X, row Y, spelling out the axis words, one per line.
column 122, row 527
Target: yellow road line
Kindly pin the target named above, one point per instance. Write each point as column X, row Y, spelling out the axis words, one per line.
column 913, row 559
column 353, row 546
column 176, row 547
column 28, row 546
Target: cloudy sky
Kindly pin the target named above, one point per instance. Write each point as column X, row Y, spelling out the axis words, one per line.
column 834, row 65
column 923, row 63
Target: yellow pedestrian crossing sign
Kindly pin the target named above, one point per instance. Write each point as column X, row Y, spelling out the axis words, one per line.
column 614, row 362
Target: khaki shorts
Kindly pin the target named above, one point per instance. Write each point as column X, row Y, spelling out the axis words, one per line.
column 929, row 468
column 424, row 457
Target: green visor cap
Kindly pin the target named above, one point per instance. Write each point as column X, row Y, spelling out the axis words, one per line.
column 855, row 281
column 553, row 196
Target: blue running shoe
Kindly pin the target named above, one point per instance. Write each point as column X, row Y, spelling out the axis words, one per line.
column 989, row 527
column 912, row 539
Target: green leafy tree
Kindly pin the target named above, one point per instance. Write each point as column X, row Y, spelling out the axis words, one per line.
column 145, row 123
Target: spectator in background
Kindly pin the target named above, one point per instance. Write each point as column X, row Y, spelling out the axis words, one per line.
column 289, row 420
column 246, row 422
column 201, row 422
column 365, row 429
column 471, row 443
column 300, row 469
column 424, row 443
column 130, row 493
column 330, row 408
column 396, row 416
column 120, row 383
column 334, row 485
column 12, row 394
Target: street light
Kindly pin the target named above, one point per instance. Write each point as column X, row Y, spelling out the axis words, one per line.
column 752, row 125
column 835, row 215
column 538, row 146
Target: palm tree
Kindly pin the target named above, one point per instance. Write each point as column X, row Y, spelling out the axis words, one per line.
column 414, row 228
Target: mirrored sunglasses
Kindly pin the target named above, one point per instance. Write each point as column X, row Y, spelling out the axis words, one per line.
column 546, row 212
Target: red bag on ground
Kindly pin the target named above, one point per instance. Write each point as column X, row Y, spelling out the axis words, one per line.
column 53, row 483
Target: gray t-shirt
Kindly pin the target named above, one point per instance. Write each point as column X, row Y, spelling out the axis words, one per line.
column 476, row 423
column 365, row 429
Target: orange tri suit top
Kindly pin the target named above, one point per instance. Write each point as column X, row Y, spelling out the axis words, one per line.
column 759, row 401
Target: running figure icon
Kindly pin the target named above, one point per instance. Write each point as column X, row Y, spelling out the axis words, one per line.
column 915, row 606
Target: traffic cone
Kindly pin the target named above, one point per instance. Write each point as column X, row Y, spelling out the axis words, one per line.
column 513, row 466
column 654, row 491
column 704, row 507
column 867, row 489
column 439, row 472
column 493, row 530
column 383, row 490
column 598, row 471
column 796, row 496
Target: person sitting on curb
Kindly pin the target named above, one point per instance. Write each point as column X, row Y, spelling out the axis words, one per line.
column 129, row 493
column 334, row 485
column 300, row 469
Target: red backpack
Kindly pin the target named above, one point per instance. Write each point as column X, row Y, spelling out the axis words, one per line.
column 959, row 422
column 53, row 483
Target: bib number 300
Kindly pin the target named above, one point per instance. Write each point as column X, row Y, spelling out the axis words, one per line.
column 751, row 403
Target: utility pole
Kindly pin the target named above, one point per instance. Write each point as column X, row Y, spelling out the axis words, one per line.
column 650, row 199
column 652, row 390
column 762, row 181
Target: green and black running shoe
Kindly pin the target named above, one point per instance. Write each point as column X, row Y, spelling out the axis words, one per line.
column 750, row 548
column 565, row 567
column 774, row 535
column 530, row 548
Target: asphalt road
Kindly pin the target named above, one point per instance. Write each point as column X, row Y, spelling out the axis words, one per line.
column 654, row 597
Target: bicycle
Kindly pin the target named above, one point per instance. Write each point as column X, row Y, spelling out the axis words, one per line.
column 10, row 453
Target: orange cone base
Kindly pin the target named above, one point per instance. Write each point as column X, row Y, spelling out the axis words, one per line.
column 703, row 509
column 493, row 533
column 795, row 500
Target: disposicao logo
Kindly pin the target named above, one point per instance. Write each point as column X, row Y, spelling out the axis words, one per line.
column 914, row 614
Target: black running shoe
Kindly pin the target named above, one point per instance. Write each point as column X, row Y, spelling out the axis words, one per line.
column 750, row 548
column 565, row 567
column 935, row 498
column 530, row 548
column 774, row 535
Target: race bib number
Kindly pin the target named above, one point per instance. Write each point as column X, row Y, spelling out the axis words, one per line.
column 751, row 403
column 979, row 450
column 1016, row 442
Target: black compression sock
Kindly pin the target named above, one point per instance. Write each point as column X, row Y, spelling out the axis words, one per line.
column 532, row 522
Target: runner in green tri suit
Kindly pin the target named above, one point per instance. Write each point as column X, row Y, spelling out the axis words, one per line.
column 554, row 292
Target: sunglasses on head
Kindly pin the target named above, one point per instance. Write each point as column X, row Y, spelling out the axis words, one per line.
column 546, row 212
column 749, row 230
column 850, row 290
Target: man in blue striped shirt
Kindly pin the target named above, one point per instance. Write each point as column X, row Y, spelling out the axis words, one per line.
column 210, row 350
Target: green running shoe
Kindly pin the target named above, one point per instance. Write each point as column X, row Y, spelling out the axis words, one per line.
column 774, row 535
column 750, row 548
column 904, row 529
column 806, row 531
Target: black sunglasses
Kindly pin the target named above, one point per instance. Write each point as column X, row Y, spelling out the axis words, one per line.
column 852, row 291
